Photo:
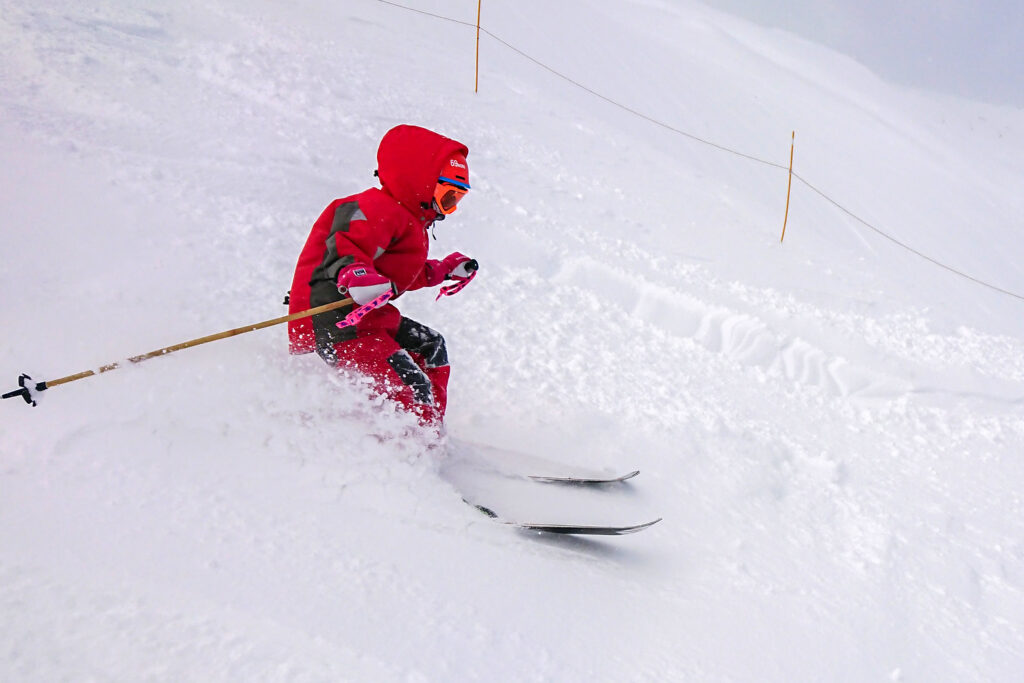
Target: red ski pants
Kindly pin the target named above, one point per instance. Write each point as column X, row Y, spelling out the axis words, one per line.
column 407, row 362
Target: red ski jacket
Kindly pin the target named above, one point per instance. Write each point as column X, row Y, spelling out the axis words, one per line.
column 384, row 228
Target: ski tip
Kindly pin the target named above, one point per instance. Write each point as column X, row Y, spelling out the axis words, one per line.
column 639, row 527
column 646, row 525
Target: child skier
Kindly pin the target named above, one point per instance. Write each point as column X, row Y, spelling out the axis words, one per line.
column 372, row 247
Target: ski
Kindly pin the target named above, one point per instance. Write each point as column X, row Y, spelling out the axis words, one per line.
column 586, row 529
column 582, row 479
column 532, row 467
column 567, row 529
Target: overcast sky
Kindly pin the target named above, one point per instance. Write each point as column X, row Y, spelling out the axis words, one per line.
column 974, row 49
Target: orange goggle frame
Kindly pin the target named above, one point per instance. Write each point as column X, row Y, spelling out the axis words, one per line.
column 448, row 193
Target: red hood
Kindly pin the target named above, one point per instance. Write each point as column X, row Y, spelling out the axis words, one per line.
column 409, row 161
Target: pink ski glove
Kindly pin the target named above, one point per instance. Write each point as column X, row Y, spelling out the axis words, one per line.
column 363, row 284
column 463, row 274
column 454, row 266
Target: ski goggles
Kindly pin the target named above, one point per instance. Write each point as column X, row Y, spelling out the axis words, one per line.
column 448, row 193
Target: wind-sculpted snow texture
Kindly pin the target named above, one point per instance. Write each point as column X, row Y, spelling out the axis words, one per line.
column 832, row 429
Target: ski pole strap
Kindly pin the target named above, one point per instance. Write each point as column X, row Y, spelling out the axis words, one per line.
column 451, row 290
column 359, row 313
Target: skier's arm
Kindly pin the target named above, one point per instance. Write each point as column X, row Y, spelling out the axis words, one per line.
column 454, row 266
column 430, row 276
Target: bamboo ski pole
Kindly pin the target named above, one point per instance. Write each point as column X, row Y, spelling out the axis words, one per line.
column 26, row 391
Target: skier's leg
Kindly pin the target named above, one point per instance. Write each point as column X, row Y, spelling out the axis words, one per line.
column 392, row 369
column 427, row 348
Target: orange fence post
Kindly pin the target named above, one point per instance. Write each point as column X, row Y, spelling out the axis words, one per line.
column 476, row 83
column 789, row 186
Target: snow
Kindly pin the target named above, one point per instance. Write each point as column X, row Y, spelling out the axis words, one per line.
column 832, row 428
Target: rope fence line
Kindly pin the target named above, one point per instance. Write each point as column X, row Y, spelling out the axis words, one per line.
column 710, row 143
column 901, row 244
column 429, row 14
column 632, row 111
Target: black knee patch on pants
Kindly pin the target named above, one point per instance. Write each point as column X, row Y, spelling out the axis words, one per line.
column 423, row 341
column 412, row 376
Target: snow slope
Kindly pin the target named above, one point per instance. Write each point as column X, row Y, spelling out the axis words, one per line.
column 833, row 428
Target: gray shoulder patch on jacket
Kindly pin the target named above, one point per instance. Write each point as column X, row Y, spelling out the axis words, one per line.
column 331, row 263
column 344, row 215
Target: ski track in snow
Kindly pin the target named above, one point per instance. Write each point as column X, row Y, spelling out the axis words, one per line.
column 832, row 431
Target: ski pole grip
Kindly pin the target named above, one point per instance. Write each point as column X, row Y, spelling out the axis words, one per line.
column 472, row 265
